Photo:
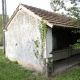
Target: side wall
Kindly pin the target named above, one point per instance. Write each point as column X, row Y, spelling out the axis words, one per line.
column 23, row 32
column 49, row 43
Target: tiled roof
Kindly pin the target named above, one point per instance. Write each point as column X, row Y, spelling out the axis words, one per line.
column 51, row 17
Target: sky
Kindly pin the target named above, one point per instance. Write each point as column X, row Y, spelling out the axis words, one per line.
column 12, row 4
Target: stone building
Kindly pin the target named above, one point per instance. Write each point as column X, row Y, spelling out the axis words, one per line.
column 34, row 37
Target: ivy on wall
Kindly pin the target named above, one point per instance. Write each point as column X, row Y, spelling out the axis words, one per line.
column 41, row 44
column 37, row 44
column 43, row 32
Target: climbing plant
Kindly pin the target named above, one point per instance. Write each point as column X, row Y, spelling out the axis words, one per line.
column 41, row 44
column 37, row 43
column 43, row 32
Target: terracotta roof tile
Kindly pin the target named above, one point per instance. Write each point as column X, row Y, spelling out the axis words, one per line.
column 51, row 17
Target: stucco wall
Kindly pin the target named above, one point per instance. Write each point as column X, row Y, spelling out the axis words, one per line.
column 49, row 43
column 19, row 41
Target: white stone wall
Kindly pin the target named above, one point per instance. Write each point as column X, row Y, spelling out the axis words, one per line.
column 19, row 39
column 49, row 43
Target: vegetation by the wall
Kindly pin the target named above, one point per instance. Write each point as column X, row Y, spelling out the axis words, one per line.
column 13, row 71
column 1, row 32
column 50, row 67
column 38, row 43
column 43, row 32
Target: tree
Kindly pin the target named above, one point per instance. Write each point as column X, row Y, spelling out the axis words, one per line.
column 72, row 9
column 1, row 32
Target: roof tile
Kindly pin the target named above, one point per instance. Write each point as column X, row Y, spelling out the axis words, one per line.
column 51, row 17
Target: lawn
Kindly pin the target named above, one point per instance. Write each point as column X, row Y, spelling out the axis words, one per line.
column 13, row 71
column 72, row 75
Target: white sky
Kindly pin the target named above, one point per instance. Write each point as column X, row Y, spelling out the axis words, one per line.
column 12, row 4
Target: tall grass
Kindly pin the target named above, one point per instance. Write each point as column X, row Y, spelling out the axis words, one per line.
column 13, row 71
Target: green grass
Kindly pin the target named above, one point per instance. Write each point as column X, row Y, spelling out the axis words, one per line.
column 72, row 75
column 13, row 71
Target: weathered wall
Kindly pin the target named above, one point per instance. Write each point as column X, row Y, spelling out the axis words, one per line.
column 22, row 32
column 49, row 43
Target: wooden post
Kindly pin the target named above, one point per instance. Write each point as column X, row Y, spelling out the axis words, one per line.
column 4, row 20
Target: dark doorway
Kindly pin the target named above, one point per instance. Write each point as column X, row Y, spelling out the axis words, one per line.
column 63, row 55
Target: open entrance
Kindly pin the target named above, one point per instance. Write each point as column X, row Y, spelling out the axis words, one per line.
column 63, row 55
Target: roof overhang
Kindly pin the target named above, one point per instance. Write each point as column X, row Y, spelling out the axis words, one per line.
column 21, row 7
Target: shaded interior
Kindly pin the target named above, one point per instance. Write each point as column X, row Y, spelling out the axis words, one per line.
column 63, row 55
column 63, row 38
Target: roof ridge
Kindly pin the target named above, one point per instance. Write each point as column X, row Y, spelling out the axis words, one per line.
column 52, row 18
column 49, row 12
column 40, row 9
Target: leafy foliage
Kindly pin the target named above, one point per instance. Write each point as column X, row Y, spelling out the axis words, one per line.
column 72, row 9
column 1, row 32
column 0, row 23
column 43, row 32
column 76, row 45
column 13, row 71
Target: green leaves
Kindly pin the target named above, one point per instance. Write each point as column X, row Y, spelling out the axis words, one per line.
column 72, row 9
column 0, row 23
column 76, row 45
column 78, row 40
column 56, row 5
column 43, row 32
column 1, row 32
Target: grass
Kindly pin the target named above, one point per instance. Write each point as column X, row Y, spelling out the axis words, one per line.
column 72, row 75
column 13, row 71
